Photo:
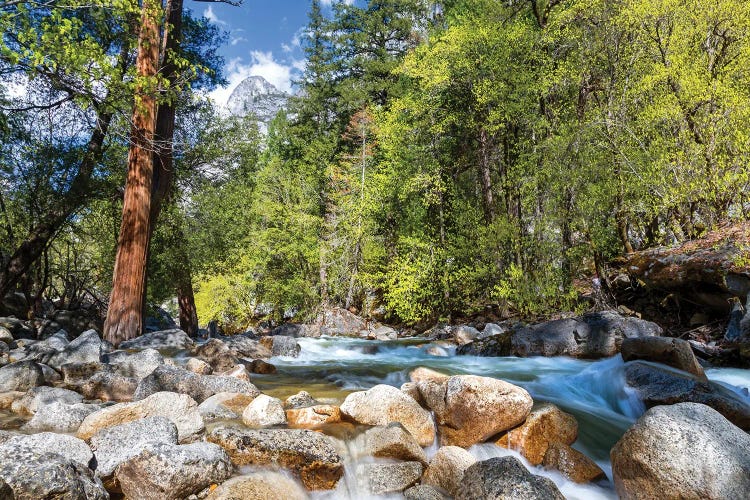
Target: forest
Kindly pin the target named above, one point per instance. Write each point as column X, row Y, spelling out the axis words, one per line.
column 437, row 158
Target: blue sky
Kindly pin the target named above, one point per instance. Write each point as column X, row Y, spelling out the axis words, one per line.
column 263, row 39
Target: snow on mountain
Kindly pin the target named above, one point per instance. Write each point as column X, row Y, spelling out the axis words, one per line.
column 256, row 95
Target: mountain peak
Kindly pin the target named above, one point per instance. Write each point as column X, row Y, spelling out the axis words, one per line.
column 257, row 95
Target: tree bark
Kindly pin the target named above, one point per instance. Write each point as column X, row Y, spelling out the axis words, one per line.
column 485, row 176
column 186, row 301
column 125, row 313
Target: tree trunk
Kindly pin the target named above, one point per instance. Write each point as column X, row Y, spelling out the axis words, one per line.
column 485, row 176
column 186, row 301
column 125, row 313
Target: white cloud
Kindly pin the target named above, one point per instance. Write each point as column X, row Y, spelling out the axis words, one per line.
column 236, row 40
column 280, row 74
column 211, row 16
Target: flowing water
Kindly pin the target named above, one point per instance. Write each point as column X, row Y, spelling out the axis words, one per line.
column 594, row 391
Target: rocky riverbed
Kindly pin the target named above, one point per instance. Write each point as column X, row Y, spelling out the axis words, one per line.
column 614, row 409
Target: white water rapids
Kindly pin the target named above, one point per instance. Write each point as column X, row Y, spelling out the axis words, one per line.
column 594, row 391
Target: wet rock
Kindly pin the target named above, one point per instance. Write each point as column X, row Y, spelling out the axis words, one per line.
column 33, row 475
column 181, row 409
column 572, row 463
column 289, row 330
column 199, row 387
column 439, row 332
column 545, row 425
column 224, row 406
column 464, row 334
column 261, row 367
column 687, row 451
column 422, row 374
column 21, row 376
column 41, row 396
column 491, row 329
column 447, row 468
column 239, row 372
column 505, row 478
column 137, row 365
column 262, row 485
column 383, row 479
column 310, row 455
column 383, row 333
column 173, row 472
column 340, row 322
column 165, row 339
column 673, row 352
column 313, row 416
column 280, row 345
column 436, row 350
column 246, row 347
column 49, row 442
column 472, row 409
column 217, row 354
column 60, row 417
column 384, row 404
column 87, row 348
column 495, row 345
column 300, row 400
column 661, row 385
column 392, row 441
column 108, row 386
column 117, row 444
column 198, row 366
column 264, row 411
column 425, row 492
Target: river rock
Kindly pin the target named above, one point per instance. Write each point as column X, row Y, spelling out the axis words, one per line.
column 172, row 472
column 470, row 409
column 572, row 463
column 383, row 333
column 49, row 442
column 300, row 400
column 8, row 398
column 412, row 390
column 239, row 372
column 6, row 336
column 264, row 411
column 447, row 468
column 464, row 334
column 21, row 376
column 491, row 329
column 310, row 455
column 60, row 417
column 198, row 366
column 217, row 354
column 687, row 451
column 392, row 441
column 313, row 417
column 109, row 386
column 33, row 475
column 505, row 478
column 181, row 409
column 384, row 404
column 384, row 479
column 676, row 353
column 246, row 346
column 338, row 321
column 199, row 387
column 117, row 444
column 261, row 485
column 38, row 397
column 425, row 492
column 423, row 374
column 260, row 367
column 87, row 348
column 137, row 365
column 545, row 425
column 436, row 350
column 661, row 385
column 224, row 406
column 164, row 339
column 280, row 345
column 494, row 345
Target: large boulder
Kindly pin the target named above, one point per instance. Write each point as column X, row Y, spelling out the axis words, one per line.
column 60, row 417
column 447, row 468
column 21, row 376
column 384, row 479
column 310, row 455
column 33, row 475
column 471, row 409
column 505, row 478
column 676, row 353
column 181, row 409
column 117, row 444
column 264, row 411
column 660, row 385
column 49, row 442
column 422, row 374
column 136, row 365
column 261, row 485
column 173, row 472
column 340, row 322
column 199, row 387
column 392, row 441
column 465, row 334
column 313, row 417
column 225, row 406
column 246, row 346
column 87, row 348
column 546, row 424
column 217, row 354
column 41, row 396
column 494, row 345
column 108, row 386
column 686, row 451
column 281, row 345
column 425, row 492
column 384, row 404
column 162, row 340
